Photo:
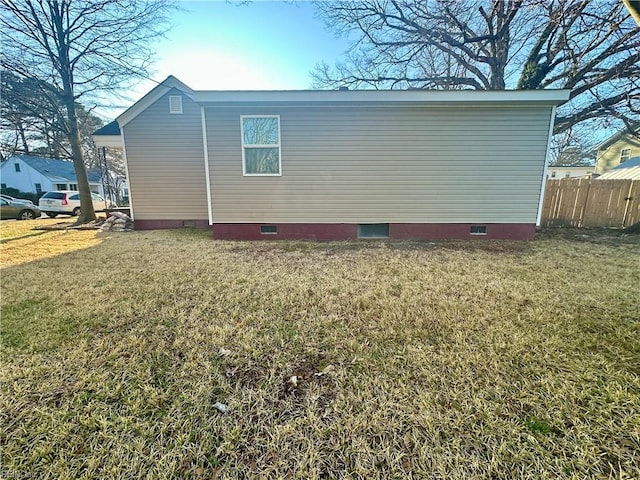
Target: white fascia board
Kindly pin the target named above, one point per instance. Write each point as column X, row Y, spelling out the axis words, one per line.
column 112, row 141
column 152, row 97
column 549, row 97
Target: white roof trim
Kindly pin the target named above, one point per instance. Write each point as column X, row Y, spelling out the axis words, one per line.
column 550, row 97
column 619, row 135
column 114, row 141
column 150, row 98
column 547, row 97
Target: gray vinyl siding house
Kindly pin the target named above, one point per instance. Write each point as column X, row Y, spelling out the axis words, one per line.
column 408, row 164
column 165, row 163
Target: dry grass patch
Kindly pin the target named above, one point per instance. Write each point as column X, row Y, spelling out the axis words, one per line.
column 411, row 360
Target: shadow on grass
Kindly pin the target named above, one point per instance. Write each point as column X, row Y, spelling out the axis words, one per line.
column 605, row 236
column 27, row 235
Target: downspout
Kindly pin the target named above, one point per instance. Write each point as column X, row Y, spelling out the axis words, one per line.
column 546, row 164
column 206, row 163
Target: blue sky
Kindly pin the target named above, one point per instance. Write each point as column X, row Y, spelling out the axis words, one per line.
column 216, row 45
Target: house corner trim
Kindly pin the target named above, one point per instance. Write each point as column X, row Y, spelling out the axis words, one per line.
column 543, row 184
column 126, row 170
column 205, row 146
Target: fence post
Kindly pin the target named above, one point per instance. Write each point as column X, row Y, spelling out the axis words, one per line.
column 627, row 204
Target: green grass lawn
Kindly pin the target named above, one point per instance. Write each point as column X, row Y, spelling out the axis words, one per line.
column 484, row 359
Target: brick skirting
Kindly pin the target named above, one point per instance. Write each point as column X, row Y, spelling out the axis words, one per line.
column 349, row 231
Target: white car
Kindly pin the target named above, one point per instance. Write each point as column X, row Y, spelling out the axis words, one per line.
column 67, row 202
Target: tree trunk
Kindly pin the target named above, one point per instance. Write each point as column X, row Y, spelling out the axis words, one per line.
column 87, row 213
column 58, row 12
column 23, row 137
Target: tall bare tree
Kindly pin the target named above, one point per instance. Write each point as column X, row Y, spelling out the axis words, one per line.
column 31, row 124
column 589, row 47
column 82, row 49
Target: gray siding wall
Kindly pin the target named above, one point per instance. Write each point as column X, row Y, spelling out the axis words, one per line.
column 166, row 163
column 403, row 164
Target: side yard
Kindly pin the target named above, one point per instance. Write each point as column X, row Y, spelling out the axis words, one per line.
column 168, row 355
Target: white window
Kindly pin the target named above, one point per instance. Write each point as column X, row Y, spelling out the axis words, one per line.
column 625, row 154
column 175, row 104
column 261, row 145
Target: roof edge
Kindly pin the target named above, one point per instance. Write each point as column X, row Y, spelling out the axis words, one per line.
column 151, row 97
column 617, row 136
column 550, row 97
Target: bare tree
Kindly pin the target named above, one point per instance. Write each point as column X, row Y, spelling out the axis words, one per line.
column 572, row 149
column 81, row 49
column 31, row 124
column 589, row 47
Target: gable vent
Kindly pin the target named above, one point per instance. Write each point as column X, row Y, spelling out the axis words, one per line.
column 175, row 104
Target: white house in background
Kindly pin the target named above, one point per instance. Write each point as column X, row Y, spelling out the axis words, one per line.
column 28, row 173
column 338, row 165
column 569, row 172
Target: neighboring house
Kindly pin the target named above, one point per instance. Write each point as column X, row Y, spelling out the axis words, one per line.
column 109, row 136
column 558, row 172
column 618, row 149
column 401, row 164
column 37, row 174
column 629, row 170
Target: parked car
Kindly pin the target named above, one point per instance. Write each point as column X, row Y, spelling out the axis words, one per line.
column 9, row 198
column 18, row 210
column 67, row 202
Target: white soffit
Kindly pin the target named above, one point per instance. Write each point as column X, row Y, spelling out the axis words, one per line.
column 548, row 97
column 114, row 141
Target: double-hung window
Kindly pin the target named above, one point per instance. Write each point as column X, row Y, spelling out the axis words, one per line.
column 625, row 154
column 261, row 145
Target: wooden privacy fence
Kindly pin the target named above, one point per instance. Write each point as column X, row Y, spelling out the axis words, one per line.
column 585, row 202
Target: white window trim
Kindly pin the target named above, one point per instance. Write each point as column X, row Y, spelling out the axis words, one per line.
column 244, row 164
column 172, row 98
column 624, row 155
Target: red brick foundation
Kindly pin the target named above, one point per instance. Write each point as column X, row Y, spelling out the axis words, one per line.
column 349, row 231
